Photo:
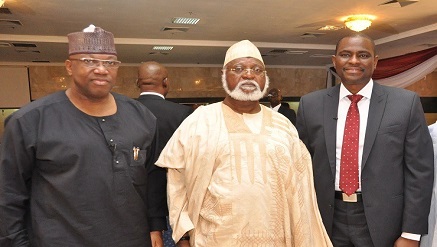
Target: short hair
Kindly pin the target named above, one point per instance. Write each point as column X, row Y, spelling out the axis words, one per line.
column 354, row 35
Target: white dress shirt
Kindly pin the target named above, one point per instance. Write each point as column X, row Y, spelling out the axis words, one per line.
column 343, row 107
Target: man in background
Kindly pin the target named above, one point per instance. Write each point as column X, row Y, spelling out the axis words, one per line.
column 275, row 98
column 154, row 85
column 371, row 152
column 75, row 166
column 238, row 175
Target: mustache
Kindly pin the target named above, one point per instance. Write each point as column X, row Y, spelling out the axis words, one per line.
column 252, row 82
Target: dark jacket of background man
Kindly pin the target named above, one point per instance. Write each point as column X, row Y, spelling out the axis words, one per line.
column 275, row 97
column 154, row 85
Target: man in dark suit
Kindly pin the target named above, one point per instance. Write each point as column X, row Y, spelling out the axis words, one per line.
column 154, row 85
column 394, row 177
column 275, row 97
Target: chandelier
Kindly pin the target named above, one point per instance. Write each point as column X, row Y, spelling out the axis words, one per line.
column 358, row 23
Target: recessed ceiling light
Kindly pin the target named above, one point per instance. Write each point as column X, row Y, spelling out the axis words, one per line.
column 295, row 52
column 5, row 44
column 162, row 48
column 321, row 55
column 185, row 20
column 329, row 28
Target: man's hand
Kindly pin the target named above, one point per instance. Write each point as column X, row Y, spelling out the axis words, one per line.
column 403, row 242
column 156, row 237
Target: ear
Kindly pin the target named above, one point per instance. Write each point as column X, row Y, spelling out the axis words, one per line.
column 136, row 82
column 165, row 83
column 333, row 59
column 376, row 60
column 68, row 67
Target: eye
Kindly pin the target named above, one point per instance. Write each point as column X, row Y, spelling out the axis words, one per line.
column 258, row 70
column 344, row 55
column 110, row 63
column 88, row 61
column 364, row 55
column 238, row 69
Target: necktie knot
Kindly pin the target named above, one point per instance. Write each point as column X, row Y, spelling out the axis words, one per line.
column 355, row 98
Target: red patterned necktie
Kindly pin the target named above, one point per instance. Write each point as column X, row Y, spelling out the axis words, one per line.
column 349, row 150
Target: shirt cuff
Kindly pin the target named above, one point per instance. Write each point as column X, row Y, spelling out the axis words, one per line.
column 157, row 223
column 411, row 236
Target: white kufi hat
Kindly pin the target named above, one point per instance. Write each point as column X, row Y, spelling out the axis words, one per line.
column 244, row 48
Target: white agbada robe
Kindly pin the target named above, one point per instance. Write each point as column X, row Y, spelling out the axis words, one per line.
column 228, row 186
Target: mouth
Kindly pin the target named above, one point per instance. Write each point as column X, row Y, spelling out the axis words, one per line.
column 353, row 70
column 248, row 86
column 100, row 82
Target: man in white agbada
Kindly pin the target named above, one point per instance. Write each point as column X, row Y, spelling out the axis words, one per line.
column 238, row 175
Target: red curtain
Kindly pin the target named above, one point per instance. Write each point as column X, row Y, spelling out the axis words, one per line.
column 392, row 66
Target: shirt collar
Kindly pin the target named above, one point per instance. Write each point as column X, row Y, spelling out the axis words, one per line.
column 153, row 93
column 366, row 91
column 276, row 108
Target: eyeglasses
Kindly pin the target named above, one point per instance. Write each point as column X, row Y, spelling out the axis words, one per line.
column 95, row 63
column 240, row 70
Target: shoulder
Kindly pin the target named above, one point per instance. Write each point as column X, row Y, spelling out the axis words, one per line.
column 208, row 113
column 281, row 122
column 130, row 106
column 122, row 99
column 54, row 100
column 394, row 90
column 317, row 95
column 286, row 109
column 396, row 96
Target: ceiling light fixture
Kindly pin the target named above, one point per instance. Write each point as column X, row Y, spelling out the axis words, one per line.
column 162, row 48
column 184, row 20
column 358, row 23
column 2, row 2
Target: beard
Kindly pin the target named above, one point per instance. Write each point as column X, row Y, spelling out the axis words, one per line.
column 239, row 94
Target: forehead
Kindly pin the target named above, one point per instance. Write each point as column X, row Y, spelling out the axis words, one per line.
column 355, row 44
column 245, row 61
column 97, row 56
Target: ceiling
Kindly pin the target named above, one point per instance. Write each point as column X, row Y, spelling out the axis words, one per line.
column 279, row 28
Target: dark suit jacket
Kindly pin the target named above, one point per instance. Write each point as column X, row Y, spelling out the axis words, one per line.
column 289, row 113
column 397, row 162
column 169, row 116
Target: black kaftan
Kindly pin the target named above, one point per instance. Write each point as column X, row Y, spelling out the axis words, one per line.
column 70, row 179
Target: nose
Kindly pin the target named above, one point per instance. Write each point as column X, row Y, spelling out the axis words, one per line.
column 100, row 68
column 354, row 59
column 248, row 73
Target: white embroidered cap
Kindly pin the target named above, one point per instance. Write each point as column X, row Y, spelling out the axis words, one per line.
column 244, row 48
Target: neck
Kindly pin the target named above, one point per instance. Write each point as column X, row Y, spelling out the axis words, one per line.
column 241, row 107
column 274, row 104
column 105, row 106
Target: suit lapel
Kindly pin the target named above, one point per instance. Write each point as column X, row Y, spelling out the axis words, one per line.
column 330, row 123
column 376, row 112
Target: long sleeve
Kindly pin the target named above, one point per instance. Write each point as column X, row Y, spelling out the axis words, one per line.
column 419, row 171
column 16, row 162
column 156, row 192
